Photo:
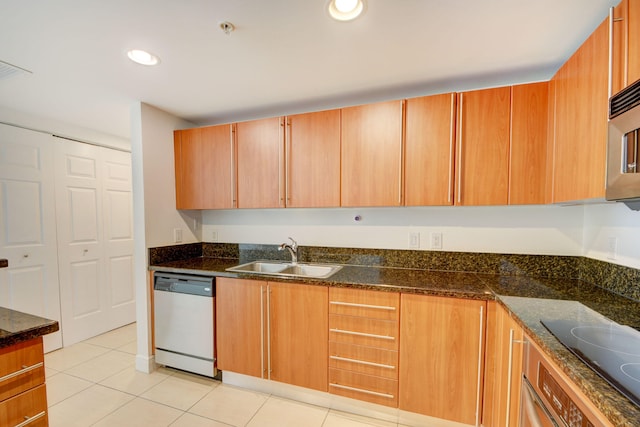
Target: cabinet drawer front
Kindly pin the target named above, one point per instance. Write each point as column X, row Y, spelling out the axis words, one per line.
column 365, row 360
column 372, row 389
column 370, row 304
column 28, row 409
column 362, row 331
column 21, row 367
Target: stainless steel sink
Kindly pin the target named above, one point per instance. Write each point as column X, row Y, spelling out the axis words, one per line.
column 287, row 269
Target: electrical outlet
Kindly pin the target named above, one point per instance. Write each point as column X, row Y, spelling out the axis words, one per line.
column 612, row 249
column 177, row 235
column 214, row 235
column 414, row 240
column 436, row 240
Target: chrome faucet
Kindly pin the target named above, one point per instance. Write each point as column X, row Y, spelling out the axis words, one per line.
column 293, row 250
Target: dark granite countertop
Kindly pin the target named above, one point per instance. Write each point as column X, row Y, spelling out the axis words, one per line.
column 528, row 298
column 533, row 299
column 16, row 327
column 441, row 283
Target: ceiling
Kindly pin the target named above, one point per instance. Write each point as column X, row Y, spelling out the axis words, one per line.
column 285, row 56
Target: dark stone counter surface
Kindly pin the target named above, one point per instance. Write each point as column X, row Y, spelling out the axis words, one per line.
column 530, row 287
column 16, row 327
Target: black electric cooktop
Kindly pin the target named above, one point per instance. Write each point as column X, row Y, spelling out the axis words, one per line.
column 610, row 349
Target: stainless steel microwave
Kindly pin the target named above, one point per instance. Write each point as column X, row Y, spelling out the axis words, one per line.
column 623, row 167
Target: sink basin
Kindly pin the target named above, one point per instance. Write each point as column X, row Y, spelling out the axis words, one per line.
column 287, row 269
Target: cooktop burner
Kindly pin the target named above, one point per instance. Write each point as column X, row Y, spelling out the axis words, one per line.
column 610, row 349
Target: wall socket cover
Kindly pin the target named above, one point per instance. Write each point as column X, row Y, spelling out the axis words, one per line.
column 436, row 240
column 414, row 240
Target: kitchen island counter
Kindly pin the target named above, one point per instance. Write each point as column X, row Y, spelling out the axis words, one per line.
column 16, row 327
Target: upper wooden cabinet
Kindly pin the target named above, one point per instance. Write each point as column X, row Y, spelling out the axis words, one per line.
column 625, row 57
column 313, row 160
column 482, row 159
column 429, row 150
column 260, row 163
column 372, row 154
column 204, row 168
column 580, row 121
column 528, row 153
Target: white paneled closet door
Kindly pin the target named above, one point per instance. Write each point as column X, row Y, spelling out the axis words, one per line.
column 28, row 226
column 95, row 244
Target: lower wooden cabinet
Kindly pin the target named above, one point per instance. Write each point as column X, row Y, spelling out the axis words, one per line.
column 363, row 345
column 441, row 357
column 272, row 330
column 23, row 395
column 503, row 369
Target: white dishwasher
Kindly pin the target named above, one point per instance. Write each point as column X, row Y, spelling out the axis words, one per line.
column 184, row 322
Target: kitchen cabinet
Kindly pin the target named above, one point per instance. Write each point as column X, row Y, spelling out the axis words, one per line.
column 528, row 148
column 625, row 44
column 503, row 369
column 371, row 170
column 482, row 159
column 273, row 330
column 363, row 345
column 22, row 389
column 204, row 168
column 260, row 163
column 441, row 357
column 313, row 160
column 580, row 121
column 429, row 150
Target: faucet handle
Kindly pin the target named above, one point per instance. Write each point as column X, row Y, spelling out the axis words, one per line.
column 294, row 244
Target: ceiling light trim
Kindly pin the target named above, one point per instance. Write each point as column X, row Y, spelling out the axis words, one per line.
column 143, row 57
column 341, row 12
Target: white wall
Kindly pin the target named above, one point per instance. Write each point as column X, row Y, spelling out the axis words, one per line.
column 610, row 228
column 154, row 207
column 553, row 230
column 17, row 118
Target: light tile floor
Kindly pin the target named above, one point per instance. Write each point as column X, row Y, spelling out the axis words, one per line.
column 94, row 383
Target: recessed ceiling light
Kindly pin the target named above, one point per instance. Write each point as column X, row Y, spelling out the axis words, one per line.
column 345, row 10
column 143, row 57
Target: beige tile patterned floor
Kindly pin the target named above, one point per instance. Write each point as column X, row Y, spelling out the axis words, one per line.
column 94, row 383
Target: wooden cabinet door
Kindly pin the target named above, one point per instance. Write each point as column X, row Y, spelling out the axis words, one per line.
column 625, row 57
column 372, row 154
column 313, row 160
column 581, row 111
column 441, row 356
column 503, row 369
column 260, row 146
column 528, row 155
column 429, row 150
column 299, row 334
column 482, row 160
column 204, row 168
column 240, row 326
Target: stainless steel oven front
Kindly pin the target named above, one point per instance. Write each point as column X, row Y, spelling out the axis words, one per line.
column 547, row 399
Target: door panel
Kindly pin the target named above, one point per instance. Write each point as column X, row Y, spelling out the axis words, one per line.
column 28, row 227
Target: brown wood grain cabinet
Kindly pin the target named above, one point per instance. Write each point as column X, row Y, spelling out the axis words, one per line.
column 528, row 149
column 313, row 160
column 22, row 385
column 204, row 168
column 441, row 357
column 429, row 150
column 503, row 369
column 260, row 163
column 371, row 170
column 580, row 121
column 625, row 44
column 363, row 345
column 482, row 158
column 271, row 330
